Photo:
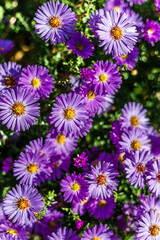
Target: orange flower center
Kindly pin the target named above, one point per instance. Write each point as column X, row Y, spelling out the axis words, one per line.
column 135, row 145
column 23, row 203
column 154, row 230
column 134, row 121
column 140, row 168
column 10, row 81
column 32, row 167
column 101, row 179
column 69, row 113
column 18, row 109
column 102, row 203
column 55, row 22
column 61, row 139
column 116, row 33
column 95, row 238
column 158, row 176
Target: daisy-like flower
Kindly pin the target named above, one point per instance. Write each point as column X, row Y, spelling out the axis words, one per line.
column 107, row 78
column 149, row 227
column 152, row 32
column 153, row 179
column 6, row 45
column 98, row 233
column 134, row 139
column 18, row 109
column 81, row 160
column 157, row 4
column 102, row 180
column 60, row 143
column 134, row 116
column 7, row 164
column 137, row 166
column 9, row 75
column 63, row 233
column 74, row 187
column 54, row 21
column 37, row 80
column 117, row 32
column 101, row 208
column 79, row 224
column 21, row 204
column 69, row 113
column 129, row 60
column 80, row 45
column 132, row 2
column 31, row 168
column 118, row 5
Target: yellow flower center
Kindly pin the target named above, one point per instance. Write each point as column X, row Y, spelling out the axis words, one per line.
column 69, row 113
column 135, row 145
column 23, row 203
column 103, row 77
column 61, row 138
column 154, row 230
column 84, row 201
column 36, row 82
column 116, row 33
column 121, row 159
column 95, row 238
column 10, row 81
column 79, row 46
column 12, row 231
column 55, row 22
column 32, row 167
column 101, row 179
column 91, row 95
column 18, row 109
column 116, row 9
column 134, row 121
column 140, row 168
column 75, row 186
column 150, row 31
column 124, row 56
column 102, row 203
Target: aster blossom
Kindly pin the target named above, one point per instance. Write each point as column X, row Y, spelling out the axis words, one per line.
column 102, row 180
column 69, row 113
column 152, row 32
column 80, row 45
column 81, row 160
column 18, row 109
column 21, row 203
column 37, row 80
column 117, row 33
column 6, row 45
column 64, row 233
column 54, row 21
column 117, row 5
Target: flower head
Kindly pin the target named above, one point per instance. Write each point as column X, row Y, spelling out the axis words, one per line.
column 157, row 4
column 152, row 32
column 63, row 233
column 118, row 5
column 6, row 45
column 81, row 160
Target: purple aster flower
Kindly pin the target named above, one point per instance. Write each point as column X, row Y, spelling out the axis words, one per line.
column 87, row 75
column 94, row 19
column 117, row 32
column 107, row 78
column 108, row 100
column 6, row 45
column 153, row 179
column 54, row 21
column 63, row 233
column 79, row 224
column 21, row 203
column 79, row 206
column 101, row 208
column 7, row 164
column 102, row 180
column 118, row 5
column 80, row 45
column 69, row 113
column 131, row 2
column 60, row 143
column 134, row 116
column 10, row 229
column 98, row 233
column 137, row 166
column 128, row 60
column 37, row 80
column 9, row 75
column 134, row 139
column 74, row 187
column 149, row 227
column 152, row 32
column 31, row 168
column 81, row 160
column 18, row 109
column 157, row 4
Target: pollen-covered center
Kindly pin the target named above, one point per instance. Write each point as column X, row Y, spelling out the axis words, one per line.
column 150, row 31
column 91, row 95
column 84, row 201
column 154, row 230
column 101, row 179
column 36, row 82
column 10, row 82
column 134, row 121
column 102, row 203
column 18, row 109
column 95, row 238
column 124, row 56
column 55, row 22
column 23, row 203
column 103, row 77
column 75, row 186
column 61, row 139
column 135, row 145
column 12, row 231
column 140, row 168
column 121, row 159
column 69, row 113
column 32, row 167
column 79, row 46
column 116, row 33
